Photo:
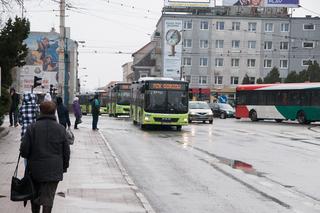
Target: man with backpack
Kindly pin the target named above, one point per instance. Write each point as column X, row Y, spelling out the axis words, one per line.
column 95, row 111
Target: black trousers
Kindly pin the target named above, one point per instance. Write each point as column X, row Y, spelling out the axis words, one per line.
column 13, row 116
column 95, row 118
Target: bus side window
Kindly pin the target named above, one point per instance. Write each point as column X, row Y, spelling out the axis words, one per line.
column 315, row 99
column 271, row 97
column 305, row 96
column 294, row 98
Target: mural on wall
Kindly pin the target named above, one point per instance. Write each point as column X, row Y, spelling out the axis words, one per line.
column 43, row 51
column 42, row 61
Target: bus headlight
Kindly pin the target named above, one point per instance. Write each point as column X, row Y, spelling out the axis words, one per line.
column 185, row 120
column 146, row 118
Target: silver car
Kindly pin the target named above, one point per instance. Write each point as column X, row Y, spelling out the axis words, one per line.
column 200, row 111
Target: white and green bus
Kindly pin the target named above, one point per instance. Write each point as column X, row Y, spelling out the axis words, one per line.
column 119, row 99
column 159, row 101
column 291, row 101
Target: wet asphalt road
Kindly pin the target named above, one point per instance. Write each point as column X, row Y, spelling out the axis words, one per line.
column 197, row 170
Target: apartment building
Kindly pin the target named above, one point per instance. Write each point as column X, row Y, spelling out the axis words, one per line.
column 219, row 46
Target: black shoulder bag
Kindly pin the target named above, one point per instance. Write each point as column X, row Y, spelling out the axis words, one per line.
column 22, row 189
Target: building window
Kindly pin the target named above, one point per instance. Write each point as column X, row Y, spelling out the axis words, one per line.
column 235, row 26
column 284, row 64
column 188, row 78
column 187, row 25
column 219, row 62
column 143, row 75
column 307, row 44
column 309, row 27
column 203, row 62
column 187, row 43
column 234, row 80
column 267, row 63
column 202, row 79
column 284, row 27
column 268, row 27
column 268, row 45
column 219, row 44
column 220, row 25
column 284, row 45
column 187, row 61
column 252, row 44
column 194, row 79
column 218, row 80
column 204, row 44
column 235, row 62
column 306, row 62
column 204, row 25
column 252, row 80
column 251, row 62
column 235, row 44
column 252, row 27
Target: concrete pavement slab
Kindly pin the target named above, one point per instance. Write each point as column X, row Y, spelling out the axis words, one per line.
column 95, row 181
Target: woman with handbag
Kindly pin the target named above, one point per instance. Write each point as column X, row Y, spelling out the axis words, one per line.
column 47, row 151
column 77, row 112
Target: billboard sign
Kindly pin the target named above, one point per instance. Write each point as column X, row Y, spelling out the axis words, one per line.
column 186, row 3
column 172, row 51
column 262, row 3
column 42, row 61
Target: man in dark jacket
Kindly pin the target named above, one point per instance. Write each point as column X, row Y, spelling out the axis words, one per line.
column 47, row 151
column 63, row 113
column 13, row 114
column 95, row 111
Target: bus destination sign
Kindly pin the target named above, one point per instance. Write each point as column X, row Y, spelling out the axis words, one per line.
column 168, row 86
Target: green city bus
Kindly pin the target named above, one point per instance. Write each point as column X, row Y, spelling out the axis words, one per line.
column 85, row 102
column 119, row 99
column 159, row 101
column 291, row 101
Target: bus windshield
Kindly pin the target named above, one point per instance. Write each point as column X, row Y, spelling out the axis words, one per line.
column 123, row 98
column 172, row 102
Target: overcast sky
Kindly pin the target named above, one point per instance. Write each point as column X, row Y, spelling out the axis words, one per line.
column 106, row 28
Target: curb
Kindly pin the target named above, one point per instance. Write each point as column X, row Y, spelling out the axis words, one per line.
column 143, row 200
column 3, row 132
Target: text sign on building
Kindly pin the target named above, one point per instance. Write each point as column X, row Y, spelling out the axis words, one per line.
column 172, row 56
column 186, row 3
column 262, row 3
column 282, row 3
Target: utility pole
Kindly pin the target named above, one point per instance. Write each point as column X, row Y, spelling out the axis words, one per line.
column 63, row 74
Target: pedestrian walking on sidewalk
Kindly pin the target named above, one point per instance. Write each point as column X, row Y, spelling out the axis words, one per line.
column 47, row 151
column 14, row 108
column 28, row 111
column 95, row 111
column 63, row 113
column 77, row 112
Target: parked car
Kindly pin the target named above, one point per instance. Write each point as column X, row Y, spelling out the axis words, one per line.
column 222, row 111
column 200, row 111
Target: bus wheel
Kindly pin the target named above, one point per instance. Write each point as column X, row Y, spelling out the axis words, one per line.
column 279, row 120
column 211, row 121
column 253, row 115
column 116, row 115
column 134, row 122
column 179, row 128
column 223, row 115
column 301, row 117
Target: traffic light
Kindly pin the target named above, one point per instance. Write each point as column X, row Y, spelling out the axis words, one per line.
column 51, row 89
column 36, row 81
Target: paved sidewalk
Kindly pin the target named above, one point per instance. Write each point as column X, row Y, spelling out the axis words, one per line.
column 95, row 182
